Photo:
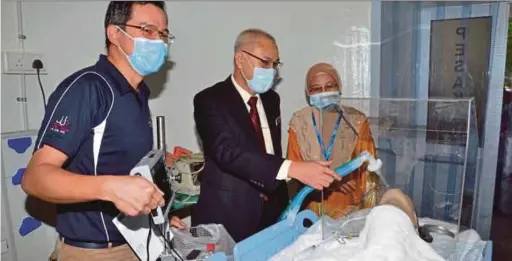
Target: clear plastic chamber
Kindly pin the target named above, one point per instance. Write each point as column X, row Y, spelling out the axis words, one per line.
column 428, row 149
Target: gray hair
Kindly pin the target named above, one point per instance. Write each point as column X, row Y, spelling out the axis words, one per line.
column 249, row 36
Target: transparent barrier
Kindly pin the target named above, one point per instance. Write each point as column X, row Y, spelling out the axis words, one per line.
column 428, row 150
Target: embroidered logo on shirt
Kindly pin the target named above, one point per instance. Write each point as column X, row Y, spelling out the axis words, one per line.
column 278, row 121
column 61, row 125
column 150, row 122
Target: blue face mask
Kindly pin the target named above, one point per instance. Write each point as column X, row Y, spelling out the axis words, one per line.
column 262, row 79
column 148, row 55
column 324, row 99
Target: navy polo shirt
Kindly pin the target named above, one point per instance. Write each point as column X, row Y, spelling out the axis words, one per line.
column 104, row 126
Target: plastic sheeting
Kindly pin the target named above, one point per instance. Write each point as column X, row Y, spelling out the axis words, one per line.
column 430, row 158
column 193, row 242
column 463, row 58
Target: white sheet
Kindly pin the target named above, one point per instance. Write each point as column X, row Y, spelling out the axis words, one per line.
column 388, row 235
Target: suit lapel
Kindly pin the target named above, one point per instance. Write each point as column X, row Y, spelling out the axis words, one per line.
column 239, row 112
column 238, row 109
column 272, row 116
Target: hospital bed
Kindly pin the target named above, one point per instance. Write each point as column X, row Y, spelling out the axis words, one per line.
column 265, row 244
column 272, row 240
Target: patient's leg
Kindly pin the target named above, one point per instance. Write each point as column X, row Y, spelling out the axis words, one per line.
column 398, row 199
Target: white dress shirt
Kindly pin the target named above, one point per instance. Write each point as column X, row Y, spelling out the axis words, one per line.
column 269, row 147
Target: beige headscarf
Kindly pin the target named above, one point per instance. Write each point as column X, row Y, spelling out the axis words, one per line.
column 344, row 149
column 322, row 68
column 302, row 125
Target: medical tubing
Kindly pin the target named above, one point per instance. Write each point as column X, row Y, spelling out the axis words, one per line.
column 342, row 170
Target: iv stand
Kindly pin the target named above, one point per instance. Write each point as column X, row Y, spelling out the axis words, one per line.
column 161, row 145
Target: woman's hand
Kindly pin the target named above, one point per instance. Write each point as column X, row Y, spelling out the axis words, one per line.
column 176, row 222
column 348, row 187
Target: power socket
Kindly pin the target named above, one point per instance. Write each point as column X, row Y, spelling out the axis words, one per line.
column 19, row 62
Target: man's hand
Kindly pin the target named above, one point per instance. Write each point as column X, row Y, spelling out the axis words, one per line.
column 176, row 222
column 133, row 195
column 316, row 174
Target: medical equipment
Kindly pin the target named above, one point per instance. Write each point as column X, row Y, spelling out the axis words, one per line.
column 185, row 167
column 337, row 108
column 138, row 230
column 185, row 174
column 423, row 233
column 438, row 229
column 149, row 243
column 373, row 165
column 152, row 167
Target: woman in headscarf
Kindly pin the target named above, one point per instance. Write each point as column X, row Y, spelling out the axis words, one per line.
column 327, row 130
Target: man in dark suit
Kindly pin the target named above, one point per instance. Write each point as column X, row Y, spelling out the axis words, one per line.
column 243, row 184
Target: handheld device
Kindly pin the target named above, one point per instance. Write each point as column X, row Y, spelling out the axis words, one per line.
column 147, row 243
column 153, row 168
column 137, row 230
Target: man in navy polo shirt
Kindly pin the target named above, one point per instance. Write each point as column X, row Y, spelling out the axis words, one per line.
column 96, row 128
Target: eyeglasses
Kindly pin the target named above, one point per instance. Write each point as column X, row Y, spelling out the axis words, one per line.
column 151, row 32
column 329, row 87
column 266, row 63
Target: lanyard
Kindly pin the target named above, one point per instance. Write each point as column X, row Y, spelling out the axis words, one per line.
column 327, row 151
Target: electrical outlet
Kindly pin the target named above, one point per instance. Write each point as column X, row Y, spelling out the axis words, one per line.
column 19, row 62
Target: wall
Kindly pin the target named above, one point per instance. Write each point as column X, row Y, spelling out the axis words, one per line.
column 70, row 35
column 11, row 108
column 29, row 222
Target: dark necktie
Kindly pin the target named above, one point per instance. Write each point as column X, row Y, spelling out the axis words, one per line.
column 255, row 119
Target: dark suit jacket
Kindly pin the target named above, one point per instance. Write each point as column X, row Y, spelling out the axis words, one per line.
column 237, row 174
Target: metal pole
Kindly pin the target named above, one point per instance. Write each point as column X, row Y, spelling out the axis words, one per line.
column 160, row 144
column 160, row 133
